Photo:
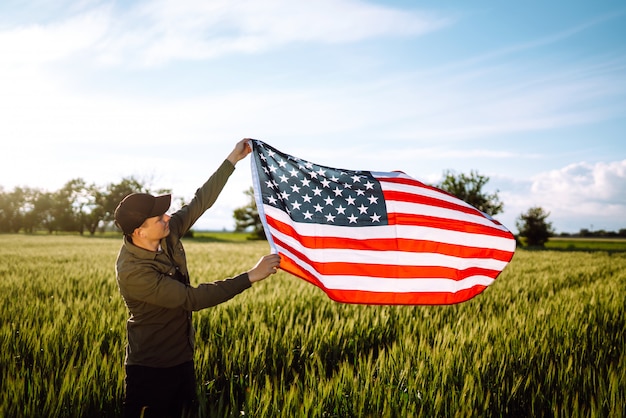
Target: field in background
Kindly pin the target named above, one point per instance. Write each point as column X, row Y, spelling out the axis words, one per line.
column 546, row 339
column 587, row 244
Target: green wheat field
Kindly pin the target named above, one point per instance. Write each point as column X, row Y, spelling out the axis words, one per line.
column 547, row 338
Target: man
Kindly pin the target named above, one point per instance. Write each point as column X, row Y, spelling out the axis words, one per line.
column 153, row 279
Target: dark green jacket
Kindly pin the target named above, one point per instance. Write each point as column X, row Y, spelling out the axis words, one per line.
column 155, row 287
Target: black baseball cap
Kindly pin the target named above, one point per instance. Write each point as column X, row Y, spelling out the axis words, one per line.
column 135, row 208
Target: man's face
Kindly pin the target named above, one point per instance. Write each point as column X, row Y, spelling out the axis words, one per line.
column 156, row 227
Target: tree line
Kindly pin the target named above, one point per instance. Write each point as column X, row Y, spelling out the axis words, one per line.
column 78, row 206
column 88, row 208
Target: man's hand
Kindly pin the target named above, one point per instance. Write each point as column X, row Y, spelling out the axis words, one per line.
column 242, row 149
column 267, row 265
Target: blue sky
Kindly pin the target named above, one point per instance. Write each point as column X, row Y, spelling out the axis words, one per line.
column 530, row 94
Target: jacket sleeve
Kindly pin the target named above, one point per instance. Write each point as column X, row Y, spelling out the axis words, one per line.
column 204, row 198
column 161, row 290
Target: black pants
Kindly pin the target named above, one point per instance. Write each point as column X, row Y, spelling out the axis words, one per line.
column 160, row 392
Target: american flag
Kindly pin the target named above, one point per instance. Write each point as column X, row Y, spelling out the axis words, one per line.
column 375, row 237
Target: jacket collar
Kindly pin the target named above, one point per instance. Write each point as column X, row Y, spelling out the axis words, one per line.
column 140, row 252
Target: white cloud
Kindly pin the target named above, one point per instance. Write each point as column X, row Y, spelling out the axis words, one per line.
column 149, row 33
column 156, row 32
column 37, row 44
column 582, row 194
column 467, row 103
column 579, row 195
column 589, row 185
column 32, row 100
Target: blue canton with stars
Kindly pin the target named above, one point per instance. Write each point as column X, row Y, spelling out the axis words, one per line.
column 311, row 193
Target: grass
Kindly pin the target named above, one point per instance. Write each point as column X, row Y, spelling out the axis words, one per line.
column 587, row 244
column 546, row 339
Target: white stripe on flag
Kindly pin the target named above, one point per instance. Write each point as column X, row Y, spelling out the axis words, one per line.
column 397, row 258
column 437, row 212
column 397, row 206
column 375, row 284
column 394, row 231
column 417, row 190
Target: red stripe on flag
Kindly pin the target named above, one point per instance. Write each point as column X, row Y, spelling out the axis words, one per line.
column 394, row 298
column 412, row 182
column 411, row 197
column 386, row 270
column 381, row 298
column 290, row 266
column 446, row 224
column 390, row 244
column 429, row 201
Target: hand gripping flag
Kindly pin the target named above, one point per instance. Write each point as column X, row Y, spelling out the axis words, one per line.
column 372, row 237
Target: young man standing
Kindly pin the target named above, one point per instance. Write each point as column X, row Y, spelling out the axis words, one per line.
column 153, row 279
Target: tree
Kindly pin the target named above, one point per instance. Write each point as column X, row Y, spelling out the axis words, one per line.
column 247, row 217
column 93, row 211
column 29, row 218
column 11, row 204
column 76, row 207
column 533, row 226
column 69, row 206
column 43, row 210
column 470, row 190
